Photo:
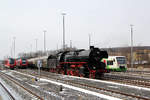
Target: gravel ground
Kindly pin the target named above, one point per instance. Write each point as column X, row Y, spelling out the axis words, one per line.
column 19, row 93
column 98, row 83
column 142, row 75
column 122, row 88
column 50, row 91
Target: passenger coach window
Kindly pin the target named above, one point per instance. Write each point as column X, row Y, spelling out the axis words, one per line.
column 109, row 62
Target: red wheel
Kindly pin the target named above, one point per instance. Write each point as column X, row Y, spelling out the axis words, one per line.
column 92, row 74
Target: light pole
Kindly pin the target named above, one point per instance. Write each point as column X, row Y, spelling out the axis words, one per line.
column 63, row 14
column 14, row 38
column 70, row 44
column 11, row 51
column 36, row 44
column 89, row 40
column 131, row 45
column 31, row 47
column 44, row 41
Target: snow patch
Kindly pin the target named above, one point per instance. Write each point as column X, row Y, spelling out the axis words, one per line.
column 83, row 90
column 77, row 89
column 113, row 83
column 17, row 96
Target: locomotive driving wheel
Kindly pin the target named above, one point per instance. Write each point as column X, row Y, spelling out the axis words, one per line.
column 92, row 74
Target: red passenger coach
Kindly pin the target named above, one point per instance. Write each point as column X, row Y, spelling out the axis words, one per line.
column 22, row 63
column 10, row 63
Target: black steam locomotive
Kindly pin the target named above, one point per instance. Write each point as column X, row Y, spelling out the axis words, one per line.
column 83, row 63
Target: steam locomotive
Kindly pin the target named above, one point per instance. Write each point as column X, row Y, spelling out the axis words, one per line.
column 83, row 63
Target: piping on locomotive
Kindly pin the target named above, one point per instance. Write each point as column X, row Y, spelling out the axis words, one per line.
column 83, row 63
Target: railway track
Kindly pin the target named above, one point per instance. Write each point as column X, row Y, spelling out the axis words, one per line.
column 9, row 78
column 135, row 73
column 128, row 79
column 8, row 93
column 88, row 86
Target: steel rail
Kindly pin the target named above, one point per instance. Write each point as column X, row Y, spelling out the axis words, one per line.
column 10, row 95
column 112, row 91
column 128, row 80
column 17, row 83
column 85, row 85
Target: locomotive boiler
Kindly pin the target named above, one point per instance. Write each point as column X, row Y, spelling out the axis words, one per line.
column 83, row 63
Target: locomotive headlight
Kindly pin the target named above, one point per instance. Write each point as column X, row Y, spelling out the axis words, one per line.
column 94, row 67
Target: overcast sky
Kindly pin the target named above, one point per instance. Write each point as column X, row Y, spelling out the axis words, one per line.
column 108, row 22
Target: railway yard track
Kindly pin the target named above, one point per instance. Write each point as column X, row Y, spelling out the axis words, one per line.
column 128, row 79
column 134, row 73
column 9, row 95
column 51, row 89
column 94, row 86
column 12, row 80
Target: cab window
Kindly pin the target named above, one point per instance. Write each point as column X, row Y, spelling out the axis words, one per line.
column 109, row 62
